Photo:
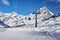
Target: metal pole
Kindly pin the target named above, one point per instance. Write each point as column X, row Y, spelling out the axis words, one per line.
column 36, row 20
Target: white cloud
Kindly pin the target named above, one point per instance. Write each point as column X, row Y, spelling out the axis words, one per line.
column 58, row 0
column 5, row 2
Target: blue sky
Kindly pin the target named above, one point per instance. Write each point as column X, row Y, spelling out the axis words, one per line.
column 26, row 7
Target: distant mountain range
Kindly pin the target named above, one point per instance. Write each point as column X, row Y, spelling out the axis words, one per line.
column 44, row 18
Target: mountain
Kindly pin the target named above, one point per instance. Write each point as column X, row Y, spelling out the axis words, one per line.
column 14, row 20
column 44, row 18
column 44, row 12
column 3, row 24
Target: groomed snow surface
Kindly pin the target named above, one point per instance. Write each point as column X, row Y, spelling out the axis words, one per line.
column 43, row 33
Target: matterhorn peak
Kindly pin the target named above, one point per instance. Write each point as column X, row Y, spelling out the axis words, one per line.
column 44, row 10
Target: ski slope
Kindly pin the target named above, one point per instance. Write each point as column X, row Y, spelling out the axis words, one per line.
column 43, row 33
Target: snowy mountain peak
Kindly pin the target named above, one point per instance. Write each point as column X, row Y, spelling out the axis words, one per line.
column 13, row 14
column 44, row 11
column 43, row 8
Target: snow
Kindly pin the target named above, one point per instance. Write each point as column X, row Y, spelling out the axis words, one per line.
column 23, row 27
column 43, row 33
column 43, row 19
column 14, row 20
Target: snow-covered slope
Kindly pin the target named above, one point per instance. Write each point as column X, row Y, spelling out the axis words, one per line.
column 43, row 33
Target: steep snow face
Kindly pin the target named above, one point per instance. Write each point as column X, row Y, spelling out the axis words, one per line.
column 44, row 13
